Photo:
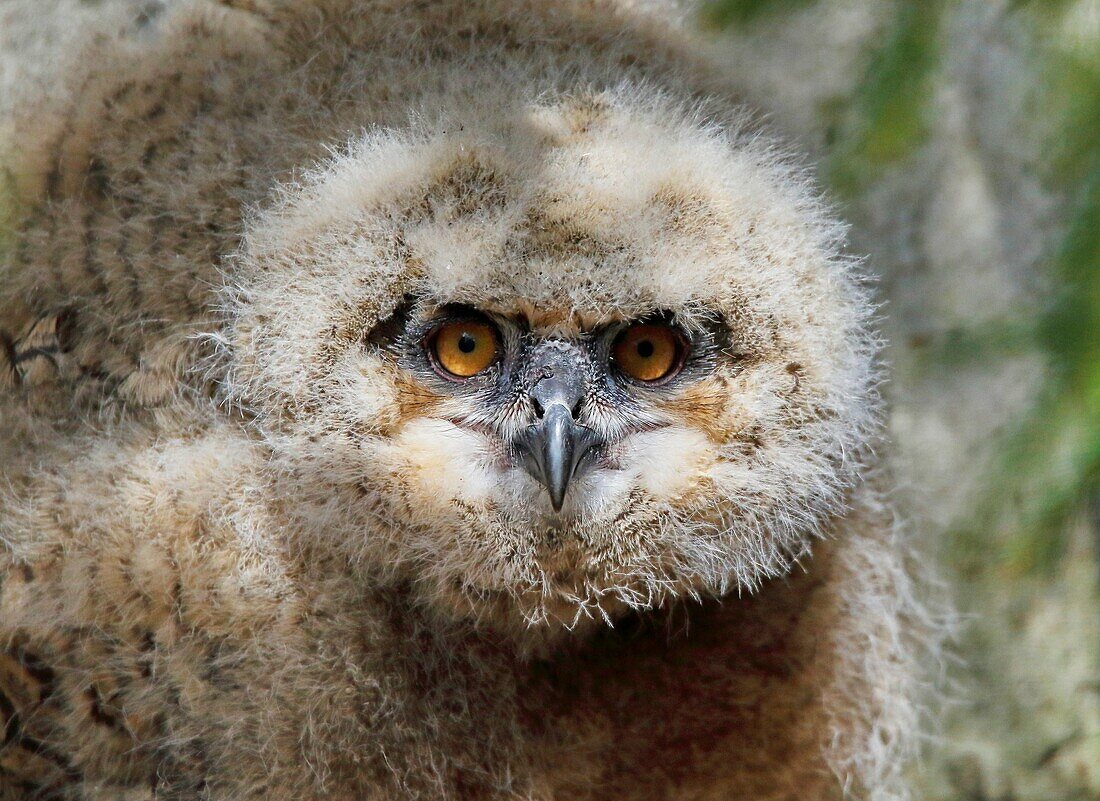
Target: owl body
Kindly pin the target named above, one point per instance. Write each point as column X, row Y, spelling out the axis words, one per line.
column 272, row 527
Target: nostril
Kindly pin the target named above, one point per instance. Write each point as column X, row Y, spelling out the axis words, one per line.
column 539, row 411
column 576, row 410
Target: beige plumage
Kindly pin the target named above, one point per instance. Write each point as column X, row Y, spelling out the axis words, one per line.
column 250, row 547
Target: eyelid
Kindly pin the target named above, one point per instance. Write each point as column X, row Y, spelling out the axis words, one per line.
column 428, row 344
column 683, row 347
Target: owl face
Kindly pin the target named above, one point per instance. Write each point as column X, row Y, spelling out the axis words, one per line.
column 551, row 361
column 561, row 402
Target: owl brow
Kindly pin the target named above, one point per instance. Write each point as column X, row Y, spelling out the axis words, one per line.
column 385, row 333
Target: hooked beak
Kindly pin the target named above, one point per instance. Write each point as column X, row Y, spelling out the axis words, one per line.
column 554, row 448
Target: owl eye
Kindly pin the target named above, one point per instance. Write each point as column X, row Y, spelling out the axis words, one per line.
column 465, row 348
column 650, row 353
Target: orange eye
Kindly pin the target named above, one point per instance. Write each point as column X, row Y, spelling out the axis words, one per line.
column 464, row 349
column 649, row 353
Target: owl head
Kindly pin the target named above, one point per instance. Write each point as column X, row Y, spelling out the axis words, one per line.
column 555, row 360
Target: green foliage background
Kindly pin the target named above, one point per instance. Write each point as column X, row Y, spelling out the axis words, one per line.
column 1019, row 541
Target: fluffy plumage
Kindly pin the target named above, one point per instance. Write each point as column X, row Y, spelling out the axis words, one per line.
column 246, row 551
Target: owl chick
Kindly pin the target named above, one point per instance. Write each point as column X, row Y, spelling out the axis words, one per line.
column 434, row 400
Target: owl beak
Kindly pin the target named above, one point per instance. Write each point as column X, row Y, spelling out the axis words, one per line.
column 553, row 449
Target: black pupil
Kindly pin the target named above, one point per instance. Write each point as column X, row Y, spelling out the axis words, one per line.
column 466, row 343
column 645, row 348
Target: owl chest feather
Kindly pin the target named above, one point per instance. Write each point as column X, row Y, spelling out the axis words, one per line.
column 215, row 670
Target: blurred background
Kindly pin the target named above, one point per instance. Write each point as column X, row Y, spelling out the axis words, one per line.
column 961, row 139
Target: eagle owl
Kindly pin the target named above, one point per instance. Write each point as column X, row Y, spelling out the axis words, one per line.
column 434, row 400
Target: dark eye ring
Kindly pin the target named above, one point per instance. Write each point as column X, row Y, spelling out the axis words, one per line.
column 650, row 354
column 461, row 349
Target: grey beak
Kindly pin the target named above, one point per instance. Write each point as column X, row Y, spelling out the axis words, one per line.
column 554, row 448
